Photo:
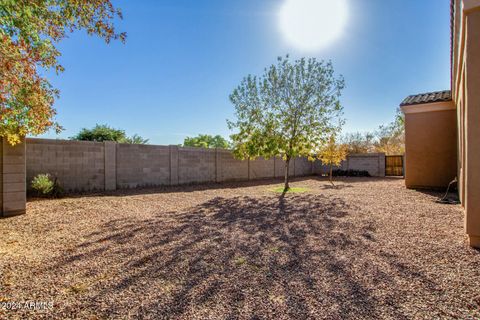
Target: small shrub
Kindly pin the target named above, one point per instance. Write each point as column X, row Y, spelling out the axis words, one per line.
column 78, row 288
column 44, row 185
column 350, row 173
column 240, row 261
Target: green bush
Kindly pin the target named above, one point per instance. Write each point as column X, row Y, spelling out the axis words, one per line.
column 45, row 186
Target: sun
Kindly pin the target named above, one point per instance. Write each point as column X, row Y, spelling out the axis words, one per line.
column 311, row 25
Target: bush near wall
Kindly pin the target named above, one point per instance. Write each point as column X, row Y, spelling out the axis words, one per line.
column 44, row 185
column 350, row 173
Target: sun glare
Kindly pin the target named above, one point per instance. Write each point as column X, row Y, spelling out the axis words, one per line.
column 311, row 25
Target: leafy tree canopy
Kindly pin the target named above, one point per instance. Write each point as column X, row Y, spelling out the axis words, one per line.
column 389, row 138
column 105, row 133
column 206, row 141
column 358, row 142
column 332, row 154
column 135, row 139
column 30, row 31
column 289, row 111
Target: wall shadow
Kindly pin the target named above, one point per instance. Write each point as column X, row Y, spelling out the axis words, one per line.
column 193, row 187
column 450, row 198
column 346, row 182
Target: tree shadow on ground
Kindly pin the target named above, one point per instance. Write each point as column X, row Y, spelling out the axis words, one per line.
column 292, row 256
column 336, row 186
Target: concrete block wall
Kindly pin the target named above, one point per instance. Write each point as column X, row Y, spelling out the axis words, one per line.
column 173, row 165
column 142, row 165
column 261, row 168
column 83, row 166
column 229, row 168
column 280, row 168
column 303, row 167
column 78, row 165
column 374, row 163
column 196, row 165
column 12, row 178
column 110, row 151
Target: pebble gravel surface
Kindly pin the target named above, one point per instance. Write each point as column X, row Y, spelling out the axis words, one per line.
column 367, row 249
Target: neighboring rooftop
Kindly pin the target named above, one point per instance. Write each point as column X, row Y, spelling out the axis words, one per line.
column 429, row 97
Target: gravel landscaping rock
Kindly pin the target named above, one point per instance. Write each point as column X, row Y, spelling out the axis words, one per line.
column 368, row 249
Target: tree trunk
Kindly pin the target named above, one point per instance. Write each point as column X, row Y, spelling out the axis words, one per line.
column 287, row 169
column 331, row 175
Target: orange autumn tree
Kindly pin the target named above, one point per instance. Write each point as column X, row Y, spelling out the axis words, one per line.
column 332, row 154
column 30, row 30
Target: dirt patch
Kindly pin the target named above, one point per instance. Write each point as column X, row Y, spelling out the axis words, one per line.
column 368, row 248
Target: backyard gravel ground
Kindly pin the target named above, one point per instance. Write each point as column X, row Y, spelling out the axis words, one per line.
column 368, row 249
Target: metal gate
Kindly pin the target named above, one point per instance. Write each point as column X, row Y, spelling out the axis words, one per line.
column 394, row 165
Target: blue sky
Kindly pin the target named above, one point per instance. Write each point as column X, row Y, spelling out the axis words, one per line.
column 182, row 59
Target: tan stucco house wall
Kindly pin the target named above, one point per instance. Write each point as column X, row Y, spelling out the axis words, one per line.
column 463, row 108
column 430, row 145
column 466, row 95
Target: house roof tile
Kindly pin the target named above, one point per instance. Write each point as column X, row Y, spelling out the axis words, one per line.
column 429, row 97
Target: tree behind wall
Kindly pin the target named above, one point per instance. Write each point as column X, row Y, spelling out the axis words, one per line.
column 358, row 142
column 135, row 139
column 388, row 139
column 206, row 141
column 29, row 34
column 288, row 112
column 391, row 137
column 105, row 133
